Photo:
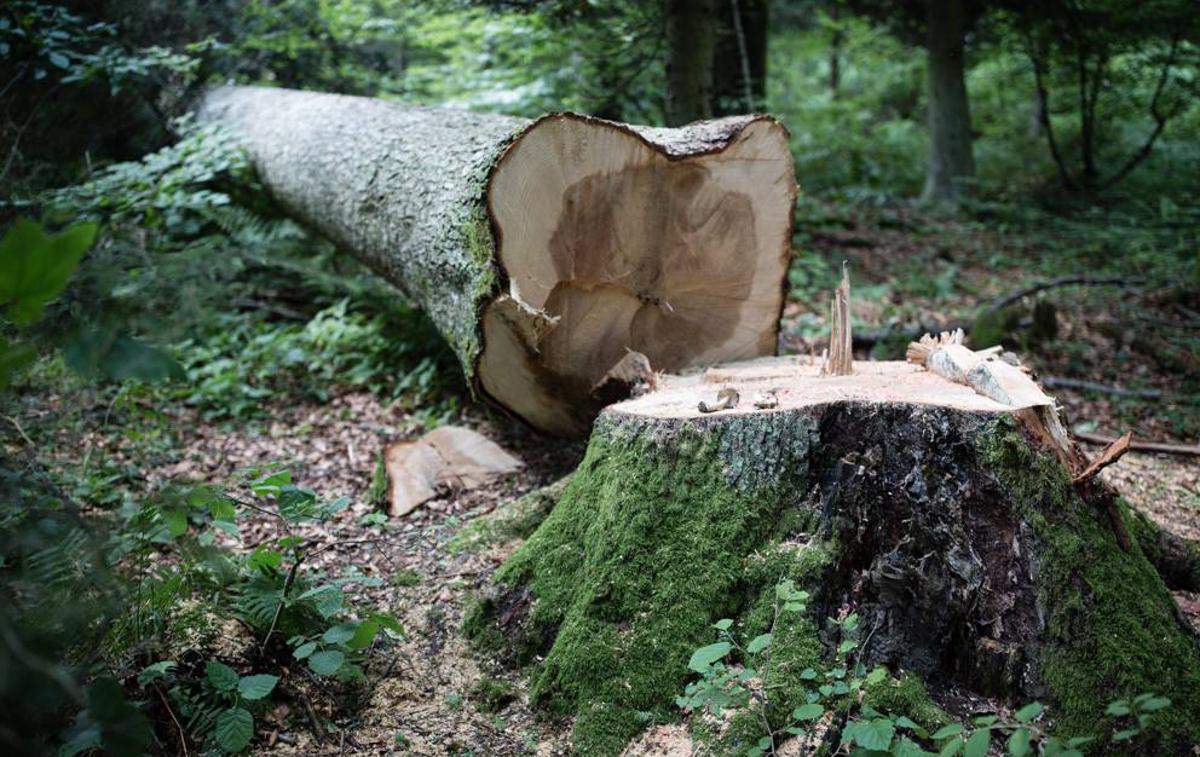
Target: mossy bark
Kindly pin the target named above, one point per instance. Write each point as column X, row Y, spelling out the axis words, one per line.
column 960, row 542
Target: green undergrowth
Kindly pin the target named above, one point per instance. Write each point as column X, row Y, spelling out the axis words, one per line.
column 625, row 592
column 1112, row 628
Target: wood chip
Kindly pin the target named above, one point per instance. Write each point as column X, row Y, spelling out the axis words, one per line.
column 1110, row 455
column 450, row 457
column 727, row 399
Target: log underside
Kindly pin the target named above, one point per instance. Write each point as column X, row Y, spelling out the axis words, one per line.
column 936, row 514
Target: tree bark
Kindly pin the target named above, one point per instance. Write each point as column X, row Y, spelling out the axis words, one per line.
column 949, row 118
column 691, row 35
column 740, row 63
column 947, row 521
column 543, row 251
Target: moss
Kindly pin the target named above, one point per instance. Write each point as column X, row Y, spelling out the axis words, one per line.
column 908, row 696
column 516, row 519
column 481, row 248
column 1112, row 628
column 490, row 695
column 643, row 552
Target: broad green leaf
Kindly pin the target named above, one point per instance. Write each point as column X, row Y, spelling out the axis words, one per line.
column 947, row 731
column 724, row 624
column 875, row 734
column 257, row 686
column 326, row 663
column 1029, row 712
column 221, row 676
column 340, row 633
column 978, row 744
column 304, row 650
column 364, row 634
column 951, row 748
column 1018, row 743
column 1154, row 703
column 704, row 657
column 35, row 268
column 759, row 643
column 154, row 672
column 14, row 357
column 876, row 676
column 264, row 559
column 847, row 646
column 234, row 729
column 808, row 712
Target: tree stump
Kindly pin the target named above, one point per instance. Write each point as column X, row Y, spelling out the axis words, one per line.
column 947, row 520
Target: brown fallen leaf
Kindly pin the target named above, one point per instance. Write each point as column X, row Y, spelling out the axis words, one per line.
column 445, row 458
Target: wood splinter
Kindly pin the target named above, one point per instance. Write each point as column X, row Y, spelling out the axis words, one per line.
column 841, row 352
column 727, row 399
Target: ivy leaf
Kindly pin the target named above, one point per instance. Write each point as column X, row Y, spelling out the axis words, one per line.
column 256, row 687
column 326, row 663
column 704, row 657
column 234, row 729
column 221, row 676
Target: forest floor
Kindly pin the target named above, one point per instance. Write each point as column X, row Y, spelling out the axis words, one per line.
column 426, row 694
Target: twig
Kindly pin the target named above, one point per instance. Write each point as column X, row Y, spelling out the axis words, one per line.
column 175, row 720
column 287, row 585
column 1040, row 286
column 1059, row 382
column 1139, row 446
column 17, row 425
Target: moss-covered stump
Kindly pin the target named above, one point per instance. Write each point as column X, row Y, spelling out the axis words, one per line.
column 934, row 513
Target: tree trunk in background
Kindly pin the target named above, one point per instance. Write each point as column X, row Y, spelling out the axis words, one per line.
column 949, row 117
column 835, row 50
column 691, row 34
column 546, row 251
column 740, row 63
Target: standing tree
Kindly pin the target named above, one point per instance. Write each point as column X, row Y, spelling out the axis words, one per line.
column 740, row 59
column 1119, row 56
column 941, row 26
column 691, row 36
column 949, row 115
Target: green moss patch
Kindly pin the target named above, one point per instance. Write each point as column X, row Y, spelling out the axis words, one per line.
column 1112, row 628
column 643, row 552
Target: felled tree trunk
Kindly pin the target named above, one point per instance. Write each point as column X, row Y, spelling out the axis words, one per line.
column 947, row 520
column 544, row 251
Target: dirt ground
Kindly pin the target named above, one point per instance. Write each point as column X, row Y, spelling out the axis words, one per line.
column 423, row 698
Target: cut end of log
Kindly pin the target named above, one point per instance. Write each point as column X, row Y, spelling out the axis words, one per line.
column 671, row 243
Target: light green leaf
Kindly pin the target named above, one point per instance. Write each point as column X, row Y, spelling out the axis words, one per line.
column 340, row 633
column 1018, row 743
column 304, row 650
column 759, row 643
column 704, row 657
column 326, row 663
column 221, row 676
column 724, row 624
column 35, row 268
column 257, row 687
column 1029, row 712
column 978, row 744
column 947, row 731
column 234, row 729
column 154, row 672
column 875, row 734
column 364, row 634
column 808, row 712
